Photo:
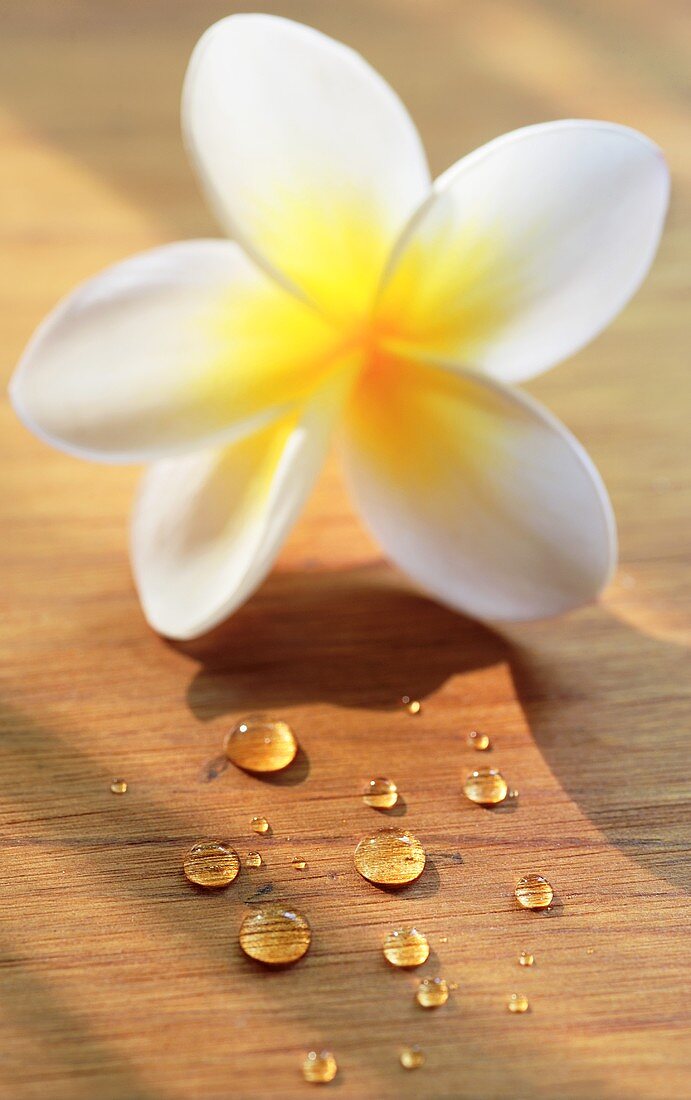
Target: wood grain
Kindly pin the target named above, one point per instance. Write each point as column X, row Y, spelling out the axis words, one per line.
column 121, row 981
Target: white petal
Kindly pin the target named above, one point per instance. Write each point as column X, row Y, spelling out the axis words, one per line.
column 207, row 528
column 308, row 156
column 478, row 493
column 529, row 247
column 189, row 344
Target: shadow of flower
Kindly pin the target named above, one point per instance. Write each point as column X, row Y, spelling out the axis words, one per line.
column 353, row 638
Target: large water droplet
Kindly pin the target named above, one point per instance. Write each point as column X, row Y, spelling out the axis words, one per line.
column 534, row 892
column 406, row 947
column 319, row 1067
column 479, row 741
column 381, row 793
column 210, row 863
column 432, row 992
column 275, row 935
column 390, row 857
column 517, row 1002
column 260, row 744
column 486, row 786
column 412, row 1057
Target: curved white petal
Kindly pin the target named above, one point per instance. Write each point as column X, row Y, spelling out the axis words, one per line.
column 528, row 247
column 309, row 158
column 183, row 346
column 207, row 528
column 477, row 492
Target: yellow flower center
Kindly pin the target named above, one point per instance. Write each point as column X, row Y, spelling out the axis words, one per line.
column 445, row 294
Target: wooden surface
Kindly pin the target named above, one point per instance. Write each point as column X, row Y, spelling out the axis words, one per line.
column 119, row 980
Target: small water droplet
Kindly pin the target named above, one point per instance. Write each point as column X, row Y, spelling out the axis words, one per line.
column 479, row 741
column 412, row 1057
column 443, row 939
column 406, row 947
column 259, row 825
column 275, row 935
column 210, row 863
column 319, row 1067
column 589, row 950
column 298, row 863
column 119, row 786
column 517, row 1002
column 253, row 860
column 381, row 793
column 261, row 744
column 432, row 992
column 486, row 786
column 534, row 892
column 390, row 857
column 413, row 706
column 526, row 958
column 513, row 793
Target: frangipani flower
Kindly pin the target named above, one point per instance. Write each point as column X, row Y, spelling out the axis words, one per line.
column 359, row 293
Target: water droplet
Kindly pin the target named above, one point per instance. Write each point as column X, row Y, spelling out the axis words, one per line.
column 210, row 863
column 589, row 950
column 298, row 863
column 259, row 825
column 526, row 958
column 275, row 935
column 319, row 1067
column 432, row 992
column 260, row 744
column 486, row 786
column 381, row 793
column 443, row 939
column 517, row 1002
column 513, row 793
column 253, row 860
column 390, row 857
column 479, row 741
column 413, row 706
column 406, row 947
column 534, row 892
column 119, row 786
column 412, row 1057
